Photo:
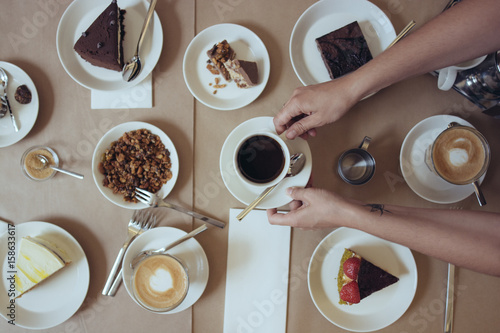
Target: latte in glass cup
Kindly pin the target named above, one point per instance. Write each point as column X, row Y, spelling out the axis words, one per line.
column 160, row 282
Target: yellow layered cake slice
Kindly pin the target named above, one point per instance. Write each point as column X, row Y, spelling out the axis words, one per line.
column 38, row 259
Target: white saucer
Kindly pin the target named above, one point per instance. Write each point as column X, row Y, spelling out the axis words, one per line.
column 113, row 135
column 247, row 46
column 25, row 114
column 326, row 16
column 79, row 16
column 58, row 298
column 417, row 174
column 190, row 253
column 380, row 309
column 246, row 194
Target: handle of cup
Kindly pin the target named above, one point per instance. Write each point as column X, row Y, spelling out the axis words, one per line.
column 479, row 194
column 446, row 78
column 365, row 143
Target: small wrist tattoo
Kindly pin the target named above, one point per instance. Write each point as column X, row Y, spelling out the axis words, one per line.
column 378, row 208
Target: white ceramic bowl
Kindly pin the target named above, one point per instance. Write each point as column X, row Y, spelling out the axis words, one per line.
column 113, row 135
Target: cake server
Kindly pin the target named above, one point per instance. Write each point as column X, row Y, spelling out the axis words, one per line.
column 4, row 79
column 132, row 69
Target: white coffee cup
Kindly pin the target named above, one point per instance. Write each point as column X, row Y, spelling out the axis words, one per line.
column 261, row 159
column 448, row 75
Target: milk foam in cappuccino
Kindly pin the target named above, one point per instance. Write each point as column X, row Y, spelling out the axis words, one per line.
column 160, row 282
column 459, row 155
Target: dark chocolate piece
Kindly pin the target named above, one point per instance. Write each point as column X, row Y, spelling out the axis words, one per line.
column 23, row 94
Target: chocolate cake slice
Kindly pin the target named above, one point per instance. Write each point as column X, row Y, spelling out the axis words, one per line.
column 101, row 43
column 359, row 278
column 244, row 73
column 344, row 50
column 219, row 54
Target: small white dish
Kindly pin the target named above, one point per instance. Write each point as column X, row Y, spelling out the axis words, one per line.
column 246, row 193
column 58, row 298
column 190, row 252
column 326, row 16
column 25, row 114
column 113, row 135
column 247, row 46
column 417, row 174
column 79, row 16
column 381, row 308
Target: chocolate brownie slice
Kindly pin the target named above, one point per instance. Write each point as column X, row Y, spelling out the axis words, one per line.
column 344, row 50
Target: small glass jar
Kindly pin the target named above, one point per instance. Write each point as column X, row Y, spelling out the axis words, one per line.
column 33, row 168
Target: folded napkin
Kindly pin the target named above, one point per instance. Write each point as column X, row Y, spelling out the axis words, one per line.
column 257, row 275
column 138, row 96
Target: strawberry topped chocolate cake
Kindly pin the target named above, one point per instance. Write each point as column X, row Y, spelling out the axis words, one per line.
column 358, row 278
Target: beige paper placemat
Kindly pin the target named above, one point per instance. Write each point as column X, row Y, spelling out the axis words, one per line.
column 138, row 96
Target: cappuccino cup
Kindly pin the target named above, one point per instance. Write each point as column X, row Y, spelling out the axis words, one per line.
column 261, row 159
column 160, row 283
column 448, row 75
column 460, row 155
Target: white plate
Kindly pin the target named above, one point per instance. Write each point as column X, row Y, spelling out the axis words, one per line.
column 376, row 311
column 247, row 46
column 25, row 114
column 55, row 300
column 113, row 135
column 326, row 16
column 417, row 175
column 245, row 193
column 79, row 16
column 190, row 253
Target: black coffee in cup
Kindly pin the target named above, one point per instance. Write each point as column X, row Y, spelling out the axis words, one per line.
column 260, row 159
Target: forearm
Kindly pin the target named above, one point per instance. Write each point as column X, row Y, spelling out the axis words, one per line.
column 439, row 43
column 469, row 239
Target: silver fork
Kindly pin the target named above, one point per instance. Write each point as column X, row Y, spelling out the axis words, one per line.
column 139, row 222
column 153, row 200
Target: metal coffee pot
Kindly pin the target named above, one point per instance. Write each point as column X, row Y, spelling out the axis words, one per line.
column 481, row 84
column 485, row 78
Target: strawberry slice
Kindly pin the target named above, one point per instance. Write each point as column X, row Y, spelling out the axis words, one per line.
column 350, row 293
column 351, row 267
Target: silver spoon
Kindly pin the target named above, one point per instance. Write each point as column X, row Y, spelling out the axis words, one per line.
column 3, row 109
column 132, row 69
column 141, row 256
column 297, row 162
column 46, row 164
column 4, row 79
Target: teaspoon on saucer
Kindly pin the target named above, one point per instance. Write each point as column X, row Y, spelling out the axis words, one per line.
column 141, row 256
column 46, row 164
column 4, row 80
column 297, row 162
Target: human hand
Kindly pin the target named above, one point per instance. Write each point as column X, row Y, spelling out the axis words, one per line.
column 313, row 106
column 312, row 208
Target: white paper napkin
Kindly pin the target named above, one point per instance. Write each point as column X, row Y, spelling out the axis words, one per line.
column 257, row 275
column 138, row 96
